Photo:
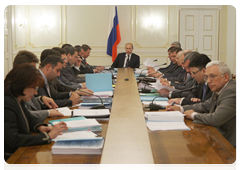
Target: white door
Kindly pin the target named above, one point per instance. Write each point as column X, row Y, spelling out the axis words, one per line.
column 199, row 31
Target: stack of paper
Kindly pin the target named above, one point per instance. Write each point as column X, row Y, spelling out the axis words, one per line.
column 96, row 101
column 78, row 147
column 65, row 111
column 159, row 86
column 77, row 135
column 79, row 123
column 168, row 116
column 91, row 112
column 170, row 120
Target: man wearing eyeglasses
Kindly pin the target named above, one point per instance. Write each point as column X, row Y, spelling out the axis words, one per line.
column 197, row 66
column 220, row 110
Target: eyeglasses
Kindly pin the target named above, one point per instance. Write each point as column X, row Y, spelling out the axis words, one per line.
column 193, row 73
column 211, row 77
column 36, row 88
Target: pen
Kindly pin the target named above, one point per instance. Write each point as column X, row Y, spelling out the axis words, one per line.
column 172, row 103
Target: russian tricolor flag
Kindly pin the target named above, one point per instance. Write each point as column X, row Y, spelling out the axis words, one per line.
column 114, row 33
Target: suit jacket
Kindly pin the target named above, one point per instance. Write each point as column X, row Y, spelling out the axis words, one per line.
column 197, row 93
column 70, row 74
column 60, row 98
column 35, row 107
column 85, row 67
column 119, row 61
column 178, row 72
column 219, row 111
column 68, row 86
column 188, row 83
column 18, row 125
column 162, row 70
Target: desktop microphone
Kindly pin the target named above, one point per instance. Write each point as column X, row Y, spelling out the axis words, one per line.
column 100, row 106
column 155, row 107
column 140, row 75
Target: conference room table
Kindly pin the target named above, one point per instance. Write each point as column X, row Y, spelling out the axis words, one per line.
column 129, row 141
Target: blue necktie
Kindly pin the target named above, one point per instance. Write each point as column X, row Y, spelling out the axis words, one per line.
column 204, row 91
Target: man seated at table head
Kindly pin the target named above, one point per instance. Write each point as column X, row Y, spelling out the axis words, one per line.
column 127, row 59
column 202, row 92
column 220, row 110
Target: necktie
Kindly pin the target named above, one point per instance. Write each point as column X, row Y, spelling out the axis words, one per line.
column 47, row 86
column 204, row 91
column 127, row 64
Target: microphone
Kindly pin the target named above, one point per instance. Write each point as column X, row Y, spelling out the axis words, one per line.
column 100, row 106
column 140, row 75
column 155, row 107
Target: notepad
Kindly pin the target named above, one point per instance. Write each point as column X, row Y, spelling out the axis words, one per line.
column 91, row 112
column 167, row 126
column 168, row 116
column 77, row 135
column 79, row 123
column 65, row 111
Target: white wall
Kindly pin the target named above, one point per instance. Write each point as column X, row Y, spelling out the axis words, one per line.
column 89, row 24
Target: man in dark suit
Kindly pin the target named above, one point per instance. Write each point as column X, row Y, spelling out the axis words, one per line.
column 84, row 53
column 202, row 92
column 220, row 110
column 127, row 59
column 50, row 69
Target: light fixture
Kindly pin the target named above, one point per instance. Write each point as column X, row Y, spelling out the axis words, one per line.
column 23, row 23
column 44, row 21
column 152, row 24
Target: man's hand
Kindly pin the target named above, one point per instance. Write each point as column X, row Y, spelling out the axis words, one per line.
column 195, row 99
column 100, row 68
column 163, row 92
column 96, row 70
column 57, row 130
column 84, row 94
column 75, row 98
column 173, row 108
column 78, row 61
column 176, row 100
column 49, row 102
column 188, row 114
column 83, row 85
column 54, row 113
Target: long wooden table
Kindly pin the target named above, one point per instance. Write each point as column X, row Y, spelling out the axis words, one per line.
column 128, row 141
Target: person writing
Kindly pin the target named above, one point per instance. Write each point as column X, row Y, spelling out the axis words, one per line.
column 20, row 85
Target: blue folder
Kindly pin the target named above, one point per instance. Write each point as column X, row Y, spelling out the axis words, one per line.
column 150, row 98
column 99, row 82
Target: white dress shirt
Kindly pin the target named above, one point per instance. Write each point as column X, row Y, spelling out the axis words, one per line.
column 126, row 57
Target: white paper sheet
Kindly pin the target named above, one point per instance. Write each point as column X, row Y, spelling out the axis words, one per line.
column 167, row 126
column 64, row 110
column 75, row 135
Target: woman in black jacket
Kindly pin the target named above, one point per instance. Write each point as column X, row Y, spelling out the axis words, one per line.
column 21, row 85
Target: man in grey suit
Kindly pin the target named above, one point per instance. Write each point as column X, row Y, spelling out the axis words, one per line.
column 220, row 110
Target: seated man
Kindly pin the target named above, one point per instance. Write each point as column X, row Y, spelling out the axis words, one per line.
column 84, row 52
column 220, row 110
column 202, row 92
column 127, row 59
column 50, row 69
